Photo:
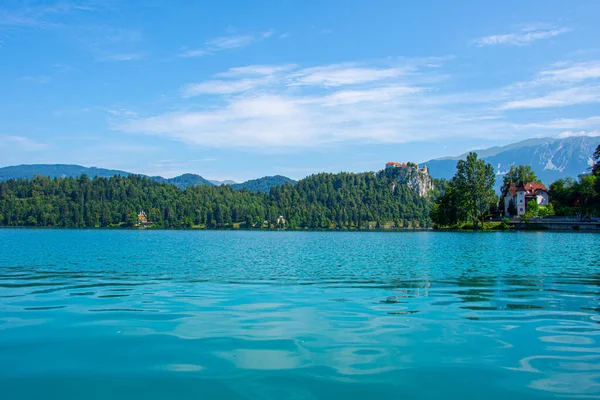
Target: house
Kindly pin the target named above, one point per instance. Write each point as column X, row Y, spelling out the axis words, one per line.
column 523, row 193
column 142, row 219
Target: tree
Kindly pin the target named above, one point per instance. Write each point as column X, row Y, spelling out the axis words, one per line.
column 596, row 159
column 516, row 174
column 474, row 183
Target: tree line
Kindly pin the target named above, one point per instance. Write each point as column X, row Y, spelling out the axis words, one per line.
column 321, row 201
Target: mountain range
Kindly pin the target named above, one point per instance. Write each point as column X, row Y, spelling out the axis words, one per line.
column 550, row 159
column 263, row 184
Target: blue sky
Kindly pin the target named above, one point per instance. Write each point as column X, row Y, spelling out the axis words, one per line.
column 240, row 89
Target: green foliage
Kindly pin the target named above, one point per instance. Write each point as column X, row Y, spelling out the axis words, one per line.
column 322, row 201
column 474, row 184
column 534, row 210
column 546, row 211
column 570, row 197
column 596, row 166
column 263, row 184
column 518, row 173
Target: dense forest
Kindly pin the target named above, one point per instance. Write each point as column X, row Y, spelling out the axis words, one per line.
column 322, row 201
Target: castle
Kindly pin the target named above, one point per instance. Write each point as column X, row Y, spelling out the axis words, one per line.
column 392, row 164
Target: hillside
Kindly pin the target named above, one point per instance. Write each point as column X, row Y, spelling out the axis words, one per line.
column 550, row 158
column 56, row 171
column 263, row 184
column 182, row 181
column 322, row 201
column 73, row 171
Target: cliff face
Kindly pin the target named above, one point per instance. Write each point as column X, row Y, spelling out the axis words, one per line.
column 415, row 178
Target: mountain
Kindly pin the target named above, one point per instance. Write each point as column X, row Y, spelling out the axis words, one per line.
column 219, row 183
column 72, row 171
column 56, row 171
column 550, row 158
column 263, row 184
column 182, row 181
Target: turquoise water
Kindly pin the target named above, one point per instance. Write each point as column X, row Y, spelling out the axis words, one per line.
column 293, row 315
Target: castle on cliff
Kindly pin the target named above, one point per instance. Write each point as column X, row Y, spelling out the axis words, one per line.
column 392, row 164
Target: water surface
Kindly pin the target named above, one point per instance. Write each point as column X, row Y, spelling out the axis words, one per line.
column 294, row 315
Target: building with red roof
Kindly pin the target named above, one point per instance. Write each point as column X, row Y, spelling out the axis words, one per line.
column 521, row 194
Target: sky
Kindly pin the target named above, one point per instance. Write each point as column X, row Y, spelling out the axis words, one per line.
column 243, row 89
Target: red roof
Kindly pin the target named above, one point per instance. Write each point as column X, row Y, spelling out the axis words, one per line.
column 530, row 188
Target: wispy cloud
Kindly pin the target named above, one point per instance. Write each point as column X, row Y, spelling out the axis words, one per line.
column 36, row 79
column 109, row 43
column 229, row 42
column 560, row 124
column 226, row 43
column 571, row 72
column 26, row 15
column 567, row 134
column 523, row 37
column 23, row 143
column 122, row 112
column 341, row 74
column 194, row 53
column 122, row 57
column 387, row 101
column 559, row 98
column 256, row 70
column 221, row 87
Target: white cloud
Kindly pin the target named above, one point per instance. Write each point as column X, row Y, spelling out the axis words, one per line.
column 562, row 124
column 567, row 134
column 123, row 112
column 229, row 42
column 559, row 98
column 256, row 70
column 122, row 57
column 221, row 87
column 340, row 74
column 23, row 143
column 37, row 79
column 194, row 53
column 572, row 72
column 41, row 16
column 267, row 107
column 226, row 43
column 522, row 38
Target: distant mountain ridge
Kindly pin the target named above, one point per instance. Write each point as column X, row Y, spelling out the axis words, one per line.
column 182, row 181
column 264, row 184
column 550, row 158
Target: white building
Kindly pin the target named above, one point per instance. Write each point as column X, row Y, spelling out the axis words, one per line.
column 522, row 194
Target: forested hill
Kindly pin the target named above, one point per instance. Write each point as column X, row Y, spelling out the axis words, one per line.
column 56, row 171
column 326, row 201
column 263, row 184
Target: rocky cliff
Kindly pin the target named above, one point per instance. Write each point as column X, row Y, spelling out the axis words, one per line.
column 415, row 178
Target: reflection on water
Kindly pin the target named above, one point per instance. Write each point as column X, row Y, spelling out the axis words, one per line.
column 234, row 315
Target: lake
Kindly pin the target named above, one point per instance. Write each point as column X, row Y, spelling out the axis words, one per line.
column 118, row 314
